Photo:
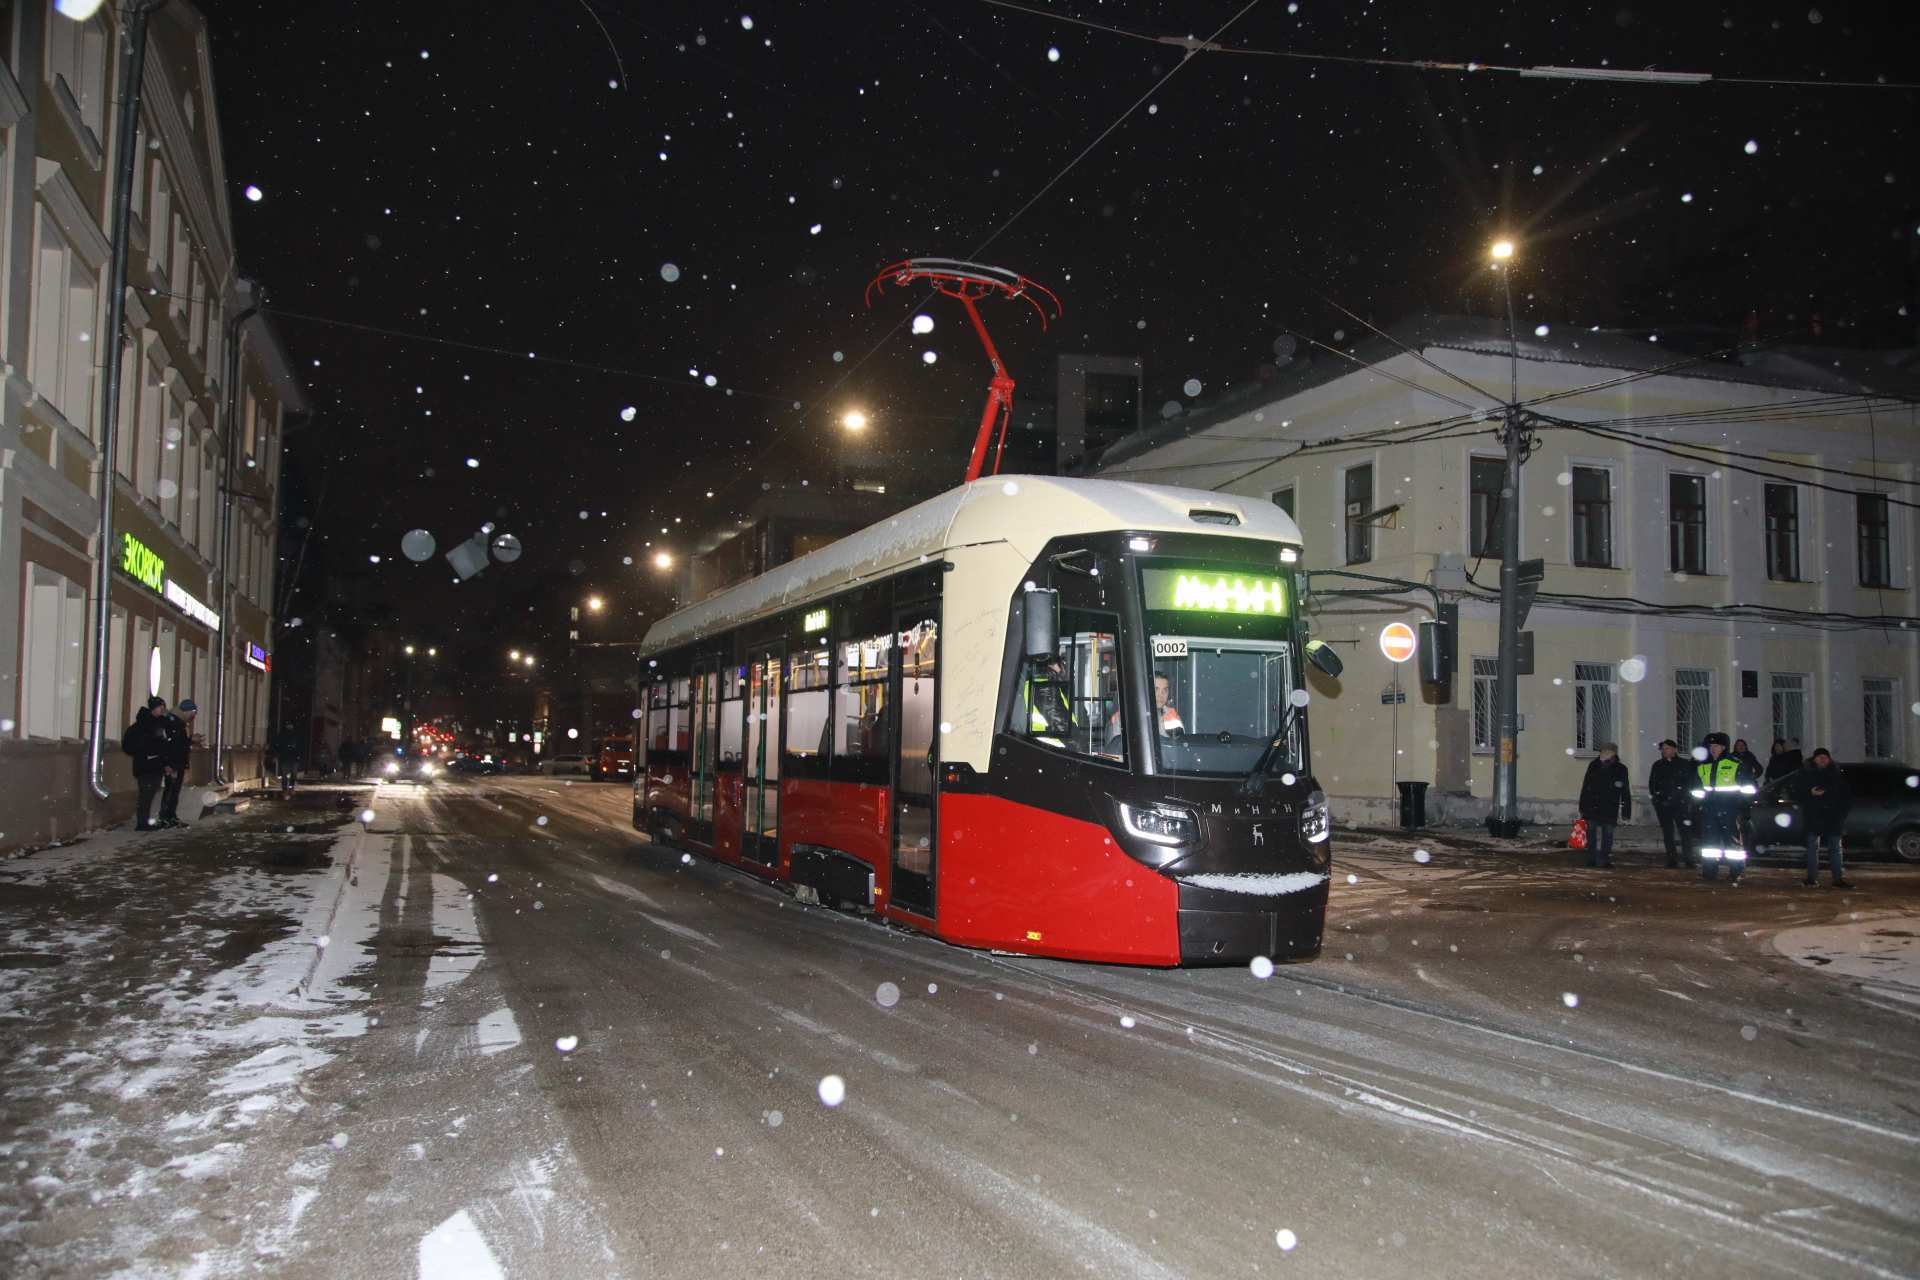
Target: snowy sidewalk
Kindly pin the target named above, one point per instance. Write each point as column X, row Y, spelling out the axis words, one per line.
column 162, row 997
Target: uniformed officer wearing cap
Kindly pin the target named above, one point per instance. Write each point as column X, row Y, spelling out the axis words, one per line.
column 1723, row 785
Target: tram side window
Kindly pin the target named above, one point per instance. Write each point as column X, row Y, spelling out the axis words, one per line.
column 860, row 713
column 680, row 717
column 657, row 716
column 809, row 673
column 733, row 682
column 1073, row 703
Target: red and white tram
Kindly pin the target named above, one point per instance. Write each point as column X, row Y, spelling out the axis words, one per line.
column 1047, row 716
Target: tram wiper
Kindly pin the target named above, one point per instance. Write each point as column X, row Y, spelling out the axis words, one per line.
column 1256, row 779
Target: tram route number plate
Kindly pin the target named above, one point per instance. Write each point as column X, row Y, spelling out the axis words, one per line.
column 1169, row 648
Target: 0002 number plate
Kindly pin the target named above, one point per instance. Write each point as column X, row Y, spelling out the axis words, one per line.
column 1169, row 648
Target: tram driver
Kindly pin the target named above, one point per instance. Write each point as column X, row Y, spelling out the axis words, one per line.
column 1166, row 716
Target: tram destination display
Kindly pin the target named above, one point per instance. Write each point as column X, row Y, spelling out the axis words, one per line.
column 1213, row 591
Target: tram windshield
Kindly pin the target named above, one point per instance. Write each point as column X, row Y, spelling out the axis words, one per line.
column 1223, row 673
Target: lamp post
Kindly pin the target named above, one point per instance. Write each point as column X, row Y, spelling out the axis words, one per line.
column 1504, row 821
column 129, row 129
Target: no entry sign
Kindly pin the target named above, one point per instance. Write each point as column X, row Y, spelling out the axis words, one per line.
column 1397, row 641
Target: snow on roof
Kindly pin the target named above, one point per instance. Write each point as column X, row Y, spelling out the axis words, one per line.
column 1023, row 510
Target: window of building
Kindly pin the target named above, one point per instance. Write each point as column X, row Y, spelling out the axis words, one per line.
column 1790, row 705
column 119, row 666
column 1593, row 517
column 1486, row 705
column 1783, row 532
column 180, row 255
column 1879, row 718
column 196, row 309
column 1874, row 522
column 1486, row 478
column 1594, row 696
column 1686, row 523
column 1283, row 499
column 173, row 454
column 1074, row 705
column 1692, row 706
column 1359, row 495
column 77, row 60
column 210, row 503
column 190, row 499
column 153, row 391
column 53, row 659
column 60, row 360
column 129, row 434
column 160, row 228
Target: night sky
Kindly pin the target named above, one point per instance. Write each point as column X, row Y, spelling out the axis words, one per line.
column 470, row 183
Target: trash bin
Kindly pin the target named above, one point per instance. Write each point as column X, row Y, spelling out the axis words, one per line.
column 1413, row 805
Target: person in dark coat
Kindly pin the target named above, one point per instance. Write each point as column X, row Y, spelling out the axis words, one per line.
column 179, row 726
column 1606, row 797
column 1668, row 784
column 1783, row 760
column 1824, row 799
column 146, row 741
column 1744, row 754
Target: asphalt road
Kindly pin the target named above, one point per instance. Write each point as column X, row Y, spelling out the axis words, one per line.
column 1522, row 1070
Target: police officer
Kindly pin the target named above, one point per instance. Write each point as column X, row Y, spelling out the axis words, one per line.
column 1723, row 784
column 1049, row 710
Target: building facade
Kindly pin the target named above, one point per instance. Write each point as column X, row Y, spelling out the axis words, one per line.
column 199, row 390
column 1728, row 544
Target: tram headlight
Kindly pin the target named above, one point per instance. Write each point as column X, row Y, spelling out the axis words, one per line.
column 1165, row 824
column 1316, row 819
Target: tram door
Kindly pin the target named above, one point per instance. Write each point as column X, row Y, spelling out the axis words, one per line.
column 760, row 799
column 706, row 691
column 916, row 757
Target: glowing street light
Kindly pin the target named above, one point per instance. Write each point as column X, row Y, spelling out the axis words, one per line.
column 409, row 651
column 662, row 560
column 432, row 652
column 1502, row 250
column 513, row 655
column 529, row 659
column 595, row 603
column 854, row 420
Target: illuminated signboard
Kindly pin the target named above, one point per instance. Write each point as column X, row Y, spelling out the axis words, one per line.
column 815, row 621
column 257, row 657
column 140, row 563
column 1213, row 591
column 180, row 598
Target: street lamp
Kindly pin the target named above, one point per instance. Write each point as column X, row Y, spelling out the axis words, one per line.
column 409, row 651
column 662, row 560
column 595, row 604
column 1504, row 821
column 513, row 655
column 528, row 659
column 854, row 420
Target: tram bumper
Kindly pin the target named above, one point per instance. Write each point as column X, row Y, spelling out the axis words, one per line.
column 1280, row 916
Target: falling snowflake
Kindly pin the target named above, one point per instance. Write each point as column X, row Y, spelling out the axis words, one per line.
column 1261, row 967
column 1053, row 53
column 833, row 1090
column 1191, row 387
column 886, row 995
column 254, row 193
column 1126, row 1020
column 923, row 324
column 567, row 1044
column 1422, row 856
column 669, row 272
column 928, row 357
column 1285, row 1239
column 629, row 413
column 1752, row 148
column 1569, row 999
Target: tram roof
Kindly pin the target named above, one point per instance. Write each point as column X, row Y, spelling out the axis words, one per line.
column 1023, row 510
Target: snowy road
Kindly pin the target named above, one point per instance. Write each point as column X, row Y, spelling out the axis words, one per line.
column 534, row 1045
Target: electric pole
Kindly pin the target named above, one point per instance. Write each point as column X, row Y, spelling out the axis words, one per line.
column 1504, row 821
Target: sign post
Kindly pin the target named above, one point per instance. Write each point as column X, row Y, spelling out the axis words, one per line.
column 1397, row 642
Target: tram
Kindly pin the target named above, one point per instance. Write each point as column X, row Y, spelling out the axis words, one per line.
column 1045, row 716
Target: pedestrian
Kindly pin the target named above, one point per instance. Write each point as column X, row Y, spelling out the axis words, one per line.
column 1668, row 783
column 179, row 725
column 146, row 741
column 1784, row 759
column 1744, row 754
column 1723, row 785
column 1606, row 797
column 1824, row 798
column 288, row 755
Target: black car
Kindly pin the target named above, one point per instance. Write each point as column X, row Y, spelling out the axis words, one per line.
column 411, row 767
column 475, row 765
column 1885, row 813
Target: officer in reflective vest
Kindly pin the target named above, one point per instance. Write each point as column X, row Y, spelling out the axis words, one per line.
column 1722, row 788
column 1049, row 710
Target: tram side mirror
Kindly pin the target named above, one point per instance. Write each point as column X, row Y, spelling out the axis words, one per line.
column 1041, row 616
column 1324, row 659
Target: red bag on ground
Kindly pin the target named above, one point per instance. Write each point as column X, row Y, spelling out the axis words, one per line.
column 1578, row 840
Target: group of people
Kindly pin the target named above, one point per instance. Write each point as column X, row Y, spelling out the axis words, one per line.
column 1702, row 804
column 161, row 741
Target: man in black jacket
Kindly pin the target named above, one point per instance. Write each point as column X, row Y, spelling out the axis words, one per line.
column 146, row 741
column 1668, row 783
column 179, row 726
column 1824, row 798
column 1606, row 797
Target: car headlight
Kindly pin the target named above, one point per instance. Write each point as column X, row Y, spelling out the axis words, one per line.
column 1316, row 818
column 1166, row 824
column 392, row 767
column 426, row 771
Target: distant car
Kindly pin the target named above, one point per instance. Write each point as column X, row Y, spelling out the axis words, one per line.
column 475, row 765
column 408, row 768
column 1885, row 813
column 555, row 766
column 615, row 760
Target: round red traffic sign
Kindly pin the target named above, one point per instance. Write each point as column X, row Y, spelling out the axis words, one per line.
column 1397, row 641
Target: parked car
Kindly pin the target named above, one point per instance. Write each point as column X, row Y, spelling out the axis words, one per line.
column 1885, row 814
column 475, row 765
column 557, row 766
column 412, row 767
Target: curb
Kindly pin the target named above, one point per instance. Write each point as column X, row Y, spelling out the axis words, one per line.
column 333, row 911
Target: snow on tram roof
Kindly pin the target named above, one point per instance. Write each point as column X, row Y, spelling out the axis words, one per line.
column 1023, row 510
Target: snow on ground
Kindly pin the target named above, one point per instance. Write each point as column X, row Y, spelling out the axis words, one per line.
column 1879, row 949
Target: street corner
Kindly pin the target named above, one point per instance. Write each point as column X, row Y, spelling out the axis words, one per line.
column 1877, row 950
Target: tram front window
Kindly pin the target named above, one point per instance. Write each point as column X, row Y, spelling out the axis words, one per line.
column 1218, row 703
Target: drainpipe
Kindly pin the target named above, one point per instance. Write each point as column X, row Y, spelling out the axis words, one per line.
column 128, row 142
column 232, row 375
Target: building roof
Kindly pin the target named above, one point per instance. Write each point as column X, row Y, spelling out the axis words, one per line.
column 1022, row 510
column 1834, row 370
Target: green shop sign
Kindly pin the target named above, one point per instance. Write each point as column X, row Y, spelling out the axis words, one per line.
column 1209, row 591
column 140, row 562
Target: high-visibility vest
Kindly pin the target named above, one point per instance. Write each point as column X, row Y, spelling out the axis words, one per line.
column 1716, row 777
column 1170, row 719
column 1037, row 689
